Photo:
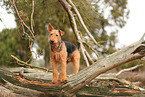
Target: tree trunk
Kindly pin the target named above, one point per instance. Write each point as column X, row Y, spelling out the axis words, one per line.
column 45, row 87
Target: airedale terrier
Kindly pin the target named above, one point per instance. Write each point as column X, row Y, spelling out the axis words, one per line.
column 61, row 52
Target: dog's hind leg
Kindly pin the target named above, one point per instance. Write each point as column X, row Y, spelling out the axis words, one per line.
column 76, row 61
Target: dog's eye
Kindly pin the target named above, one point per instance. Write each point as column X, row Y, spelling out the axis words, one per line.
column 56, row 35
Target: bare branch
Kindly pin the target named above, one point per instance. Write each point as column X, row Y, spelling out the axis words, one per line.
column 89, row 57
column 128, row 69
column 32, row 22
column 83, row 52
column 91, row 48
column 29, row 65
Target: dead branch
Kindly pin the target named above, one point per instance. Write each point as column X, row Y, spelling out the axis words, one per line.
column 91, row 48
column 32, row 21
column 128, row 69
column 83, row 52
column 29, row 65
column 110, row 76
column 89, row 57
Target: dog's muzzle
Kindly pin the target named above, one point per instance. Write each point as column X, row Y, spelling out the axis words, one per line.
column 52, row 43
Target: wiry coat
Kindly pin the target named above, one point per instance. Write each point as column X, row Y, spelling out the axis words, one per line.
column 62, row 52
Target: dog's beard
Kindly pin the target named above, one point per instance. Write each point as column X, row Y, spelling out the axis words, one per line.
column 54, row 45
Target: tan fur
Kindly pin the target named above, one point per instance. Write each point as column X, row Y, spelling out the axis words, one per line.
column 60, row 57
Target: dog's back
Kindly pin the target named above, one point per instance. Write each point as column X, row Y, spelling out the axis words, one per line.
column 70, row 48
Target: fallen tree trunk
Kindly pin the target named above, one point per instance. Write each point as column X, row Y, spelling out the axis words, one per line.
column 77, row 81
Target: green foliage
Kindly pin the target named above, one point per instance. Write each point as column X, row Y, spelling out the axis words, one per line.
column 12, row 44
column 8, row 44
column 97, row 15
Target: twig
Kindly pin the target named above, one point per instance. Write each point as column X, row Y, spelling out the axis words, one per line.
column 29, row 65
column 83, row 52
column 25, row 32
column 91, row 48
column 128, row 69
column 89, row 57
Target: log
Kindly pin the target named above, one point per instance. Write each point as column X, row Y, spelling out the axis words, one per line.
column 79, row 80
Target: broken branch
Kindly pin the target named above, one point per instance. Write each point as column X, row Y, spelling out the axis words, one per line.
column 29, row 65
column 128, row 69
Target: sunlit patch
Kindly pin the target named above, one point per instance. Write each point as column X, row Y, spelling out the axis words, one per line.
column 23, row 79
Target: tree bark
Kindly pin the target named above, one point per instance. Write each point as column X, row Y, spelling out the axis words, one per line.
column 77, row 81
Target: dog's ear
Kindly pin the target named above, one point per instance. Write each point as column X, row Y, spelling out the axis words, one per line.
column 50, row 28
column 61, row 32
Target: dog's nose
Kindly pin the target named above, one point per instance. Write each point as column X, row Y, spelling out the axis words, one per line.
column 52, row 41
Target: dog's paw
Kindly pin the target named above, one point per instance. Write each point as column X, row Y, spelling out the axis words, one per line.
column 54, row 81
column 64, row 80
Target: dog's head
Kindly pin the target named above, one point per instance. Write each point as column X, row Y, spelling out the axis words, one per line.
column 54, row 35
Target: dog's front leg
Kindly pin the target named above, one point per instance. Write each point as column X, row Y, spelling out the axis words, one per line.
column 55, row 72
column 62, row 74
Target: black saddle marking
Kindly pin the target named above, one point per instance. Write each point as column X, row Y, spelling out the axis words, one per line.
column 70, row 48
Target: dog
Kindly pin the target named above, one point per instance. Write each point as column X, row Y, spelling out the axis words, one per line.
column 61, row 52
